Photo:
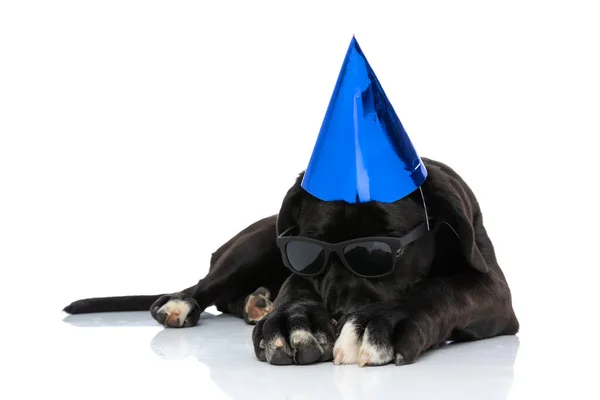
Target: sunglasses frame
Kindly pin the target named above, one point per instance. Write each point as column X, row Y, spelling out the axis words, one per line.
column 395, row 243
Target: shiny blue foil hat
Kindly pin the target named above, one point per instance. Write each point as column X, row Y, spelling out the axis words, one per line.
column 362, row 152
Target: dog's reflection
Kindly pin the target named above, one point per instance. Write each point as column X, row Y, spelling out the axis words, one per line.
column 476, row 370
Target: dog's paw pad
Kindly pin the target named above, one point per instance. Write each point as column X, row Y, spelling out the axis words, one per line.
column 176, row 312
column 347, row 346
column 257, row 306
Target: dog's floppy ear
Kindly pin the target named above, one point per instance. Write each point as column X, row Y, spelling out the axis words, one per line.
column 452, row 201
column 290, row 207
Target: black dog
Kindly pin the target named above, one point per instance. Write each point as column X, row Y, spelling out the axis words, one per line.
column 446, row 284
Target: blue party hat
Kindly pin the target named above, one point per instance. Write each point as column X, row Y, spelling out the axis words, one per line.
column 362, row 152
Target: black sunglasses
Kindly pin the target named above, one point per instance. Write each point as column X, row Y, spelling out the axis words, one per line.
column 368, row 257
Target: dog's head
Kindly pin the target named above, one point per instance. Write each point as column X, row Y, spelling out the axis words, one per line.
column 454, row 215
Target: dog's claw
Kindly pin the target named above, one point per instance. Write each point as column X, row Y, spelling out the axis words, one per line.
column 338, row 357
column 363, row 359
column 399, row 360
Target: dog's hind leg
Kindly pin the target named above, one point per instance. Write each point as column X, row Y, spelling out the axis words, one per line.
column 249, row 261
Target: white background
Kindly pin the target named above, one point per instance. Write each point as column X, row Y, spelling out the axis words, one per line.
column 138, row 136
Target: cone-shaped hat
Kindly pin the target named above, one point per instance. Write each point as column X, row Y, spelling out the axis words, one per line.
column 362, row 152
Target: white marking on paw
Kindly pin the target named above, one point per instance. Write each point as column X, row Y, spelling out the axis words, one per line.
column 347, row 346
column 322, row 338
column 275, row 344
column 301, row 336
column 372, row 354
column 176, row 311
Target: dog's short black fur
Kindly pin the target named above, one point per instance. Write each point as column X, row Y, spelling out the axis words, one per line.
column 447, row 286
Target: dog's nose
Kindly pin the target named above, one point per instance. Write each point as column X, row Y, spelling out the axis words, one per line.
column 335, row 264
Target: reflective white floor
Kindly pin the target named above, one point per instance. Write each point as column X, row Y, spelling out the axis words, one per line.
column 225, row 366
column 128, row 355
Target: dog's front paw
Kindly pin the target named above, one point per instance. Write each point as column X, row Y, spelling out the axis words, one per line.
column 179, row 310
column 295, row 334
column 377, row 337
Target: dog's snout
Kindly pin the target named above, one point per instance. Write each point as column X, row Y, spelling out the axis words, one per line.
column 338, row 269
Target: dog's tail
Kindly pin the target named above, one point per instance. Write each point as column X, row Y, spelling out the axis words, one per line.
column 110, row 304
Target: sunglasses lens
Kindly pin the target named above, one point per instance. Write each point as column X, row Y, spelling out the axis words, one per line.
column 305, row 257
column 369, row 258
